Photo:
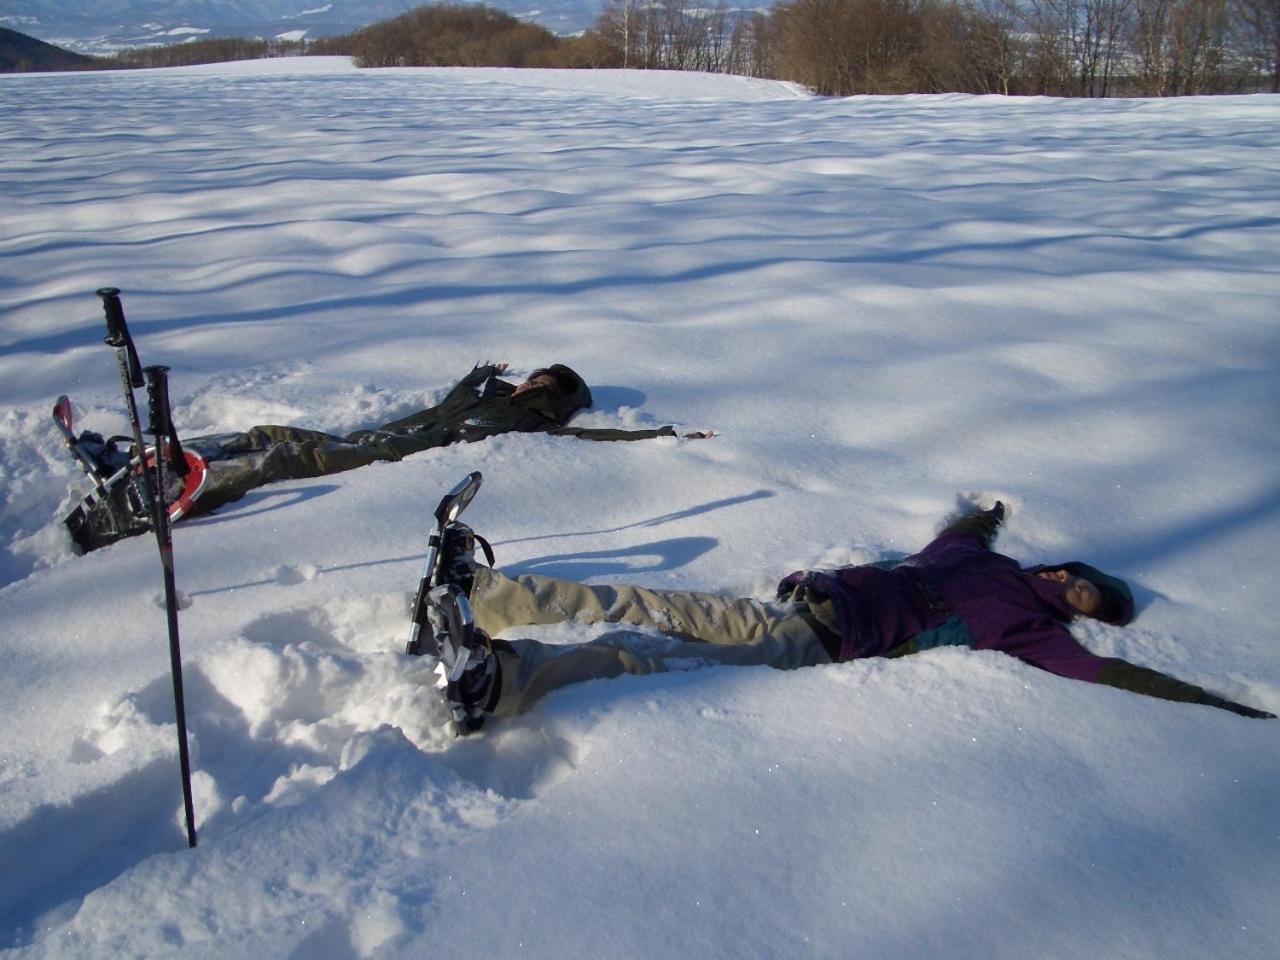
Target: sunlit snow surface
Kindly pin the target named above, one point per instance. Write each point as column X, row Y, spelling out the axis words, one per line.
column 883, row 306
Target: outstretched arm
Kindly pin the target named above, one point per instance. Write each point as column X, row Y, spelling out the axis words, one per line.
column 982, row 526
column 1055, row 650
column 1151, row 683
column 606, row 433
column 1127, row 676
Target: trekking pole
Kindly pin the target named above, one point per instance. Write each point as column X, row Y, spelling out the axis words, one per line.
column 166, row 445
column 153, row 500
column 131, row 377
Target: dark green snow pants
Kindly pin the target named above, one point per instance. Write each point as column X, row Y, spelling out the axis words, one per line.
column 240, row 462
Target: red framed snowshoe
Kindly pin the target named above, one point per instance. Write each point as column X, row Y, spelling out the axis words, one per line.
column 115, row 508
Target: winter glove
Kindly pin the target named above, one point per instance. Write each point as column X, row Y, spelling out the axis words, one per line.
column 1212, row 700
column 982, row 526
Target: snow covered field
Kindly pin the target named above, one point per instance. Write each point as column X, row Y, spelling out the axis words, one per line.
column 880, row 305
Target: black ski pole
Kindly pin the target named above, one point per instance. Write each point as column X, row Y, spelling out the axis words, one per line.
column 131, row 377
column 161, row 427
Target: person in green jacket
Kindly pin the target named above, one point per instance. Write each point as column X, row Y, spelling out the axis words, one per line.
column 479, row 406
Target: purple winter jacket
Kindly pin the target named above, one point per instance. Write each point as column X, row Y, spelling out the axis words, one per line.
column 958, row 592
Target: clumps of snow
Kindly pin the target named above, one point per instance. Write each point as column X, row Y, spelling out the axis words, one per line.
column 37, row 476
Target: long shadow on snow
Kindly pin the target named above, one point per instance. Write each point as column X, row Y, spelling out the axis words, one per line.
column 652, row 521
column 1207, row 528
column 667, row 554
column 676, row 552
column 609, row 398
column 253, row 504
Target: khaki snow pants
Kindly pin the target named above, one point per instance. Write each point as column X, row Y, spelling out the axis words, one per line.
column 698, row 628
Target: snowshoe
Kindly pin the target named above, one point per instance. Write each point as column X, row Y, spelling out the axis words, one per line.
column 450, row 557
column 116, row 507
column 466, row 668
column 442, row 624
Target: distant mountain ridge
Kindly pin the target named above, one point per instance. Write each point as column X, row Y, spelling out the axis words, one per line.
column 104, row 26
column 20, row 53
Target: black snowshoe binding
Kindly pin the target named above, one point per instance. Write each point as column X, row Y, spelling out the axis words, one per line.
column 457, row 563
column 443, row 626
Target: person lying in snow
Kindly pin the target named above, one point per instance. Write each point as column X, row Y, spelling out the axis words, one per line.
column 957, row 591
column 480, row 405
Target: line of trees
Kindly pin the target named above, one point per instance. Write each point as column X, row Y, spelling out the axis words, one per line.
column 466, row 35
column 215, row 50
column 679, row 35
column 447, row 34
column 1086, row 48
column 1083, row 48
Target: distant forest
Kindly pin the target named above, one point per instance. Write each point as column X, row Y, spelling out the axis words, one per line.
column 1080, row 48
column 20, row 53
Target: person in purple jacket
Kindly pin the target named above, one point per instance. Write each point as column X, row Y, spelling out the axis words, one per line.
column 957, row 591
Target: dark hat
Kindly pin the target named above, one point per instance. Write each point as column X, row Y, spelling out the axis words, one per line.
column 1117, row 598
column 570, row 383
column 574, row 394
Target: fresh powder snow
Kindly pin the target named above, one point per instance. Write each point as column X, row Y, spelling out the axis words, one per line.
column 885, row 307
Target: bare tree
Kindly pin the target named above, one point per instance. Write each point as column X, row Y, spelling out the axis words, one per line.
column 1260, row 23
column 631, row 27
column 1090, row 48
column 757, row 46
column 1100, row 48
column 1150, row 45
column 1183, row 47
column 894, row 46
column 999, row 42
column 1080, row 44
column 676, row 34
column 1201, row 30
column 962, row 49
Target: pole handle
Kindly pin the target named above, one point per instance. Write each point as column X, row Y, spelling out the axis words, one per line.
column 118, row 332
column 161, row 424
column 161, row 416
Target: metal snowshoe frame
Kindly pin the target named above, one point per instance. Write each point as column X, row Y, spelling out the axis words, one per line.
column 449, row 509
